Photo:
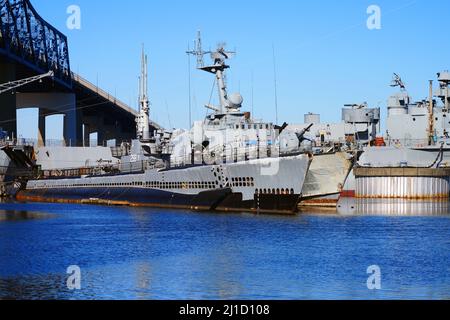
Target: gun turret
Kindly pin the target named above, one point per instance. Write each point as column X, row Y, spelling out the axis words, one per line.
column 301, row 135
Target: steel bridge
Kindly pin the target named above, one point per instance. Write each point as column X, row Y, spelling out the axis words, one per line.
column 30, row 46
column 28, row 39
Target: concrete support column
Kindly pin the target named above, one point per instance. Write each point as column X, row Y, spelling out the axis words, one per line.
column 62, row 103
column 8, row 112
column 41, row 128
column 72, row 125
column 86, row 135
column 101, row 139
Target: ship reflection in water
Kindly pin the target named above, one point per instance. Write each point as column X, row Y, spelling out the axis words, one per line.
column 12, row 215
column 392, row 207
column 138, row 253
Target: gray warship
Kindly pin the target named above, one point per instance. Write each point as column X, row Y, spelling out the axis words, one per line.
column 228, row 162
column 334, row 147
column 411, row 160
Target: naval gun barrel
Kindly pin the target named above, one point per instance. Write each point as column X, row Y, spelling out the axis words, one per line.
column 301, row 135
column 282, row 128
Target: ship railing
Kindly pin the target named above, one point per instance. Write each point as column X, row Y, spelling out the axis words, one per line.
column 35, row 143
column 407, row 142
column 229, row 153
column 139, row 166
column 70, row 172
column 101, row 170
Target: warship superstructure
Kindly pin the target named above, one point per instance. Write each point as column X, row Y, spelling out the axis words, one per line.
column 425, row 123
column 412, row 160
column 227, row 162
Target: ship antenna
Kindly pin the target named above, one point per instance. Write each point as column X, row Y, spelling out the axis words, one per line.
column 199, row 54
column 198, row 51
column 190, row 88
column 253, row 96
column 275, row 82
column 218, row 68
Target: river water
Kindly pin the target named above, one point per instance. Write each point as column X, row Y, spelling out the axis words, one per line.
column 137, row 253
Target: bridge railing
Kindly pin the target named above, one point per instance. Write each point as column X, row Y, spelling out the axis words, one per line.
column 77, row 79
column 26, row 37
column 104, row 94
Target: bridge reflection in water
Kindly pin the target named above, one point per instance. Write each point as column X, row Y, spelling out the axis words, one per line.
column 393, row 207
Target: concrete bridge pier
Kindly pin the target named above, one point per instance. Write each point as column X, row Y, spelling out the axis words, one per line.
column 101, row 138
column 86, row 135
column 41, row 127
column 8, row 101
column 55, row 103
column 107, row 129
column 73, row 126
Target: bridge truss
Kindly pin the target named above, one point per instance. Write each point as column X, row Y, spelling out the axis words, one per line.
column 30, row 40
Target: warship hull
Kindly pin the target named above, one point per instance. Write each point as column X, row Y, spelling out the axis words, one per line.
column 270, row 185
column 325, row 180
column 206, row 200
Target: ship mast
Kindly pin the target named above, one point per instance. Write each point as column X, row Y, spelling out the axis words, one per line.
column 143, row 119
column 228, row 104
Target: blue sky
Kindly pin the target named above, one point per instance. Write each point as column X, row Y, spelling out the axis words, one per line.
column 325, row 55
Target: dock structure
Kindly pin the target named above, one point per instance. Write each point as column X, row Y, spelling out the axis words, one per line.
column 402, row 183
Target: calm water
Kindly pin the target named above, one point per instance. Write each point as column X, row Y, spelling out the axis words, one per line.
column 127, row 253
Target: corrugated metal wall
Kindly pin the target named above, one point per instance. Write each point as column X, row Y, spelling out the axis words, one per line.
column 402, row 187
